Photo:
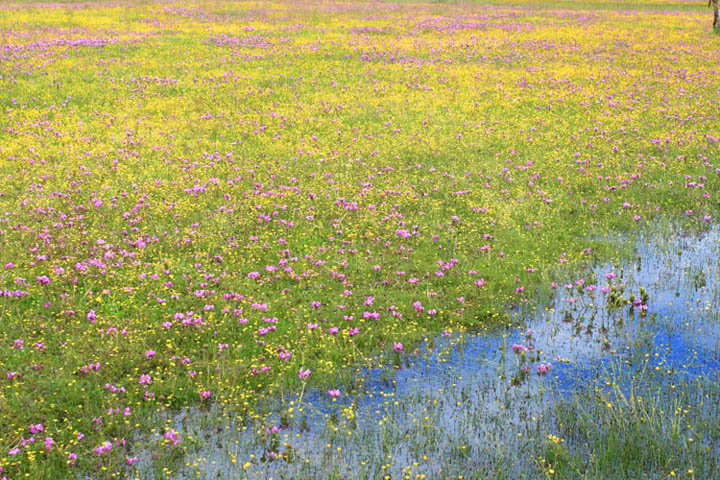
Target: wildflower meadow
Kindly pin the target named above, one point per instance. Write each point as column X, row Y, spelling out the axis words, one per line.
column 350, row 239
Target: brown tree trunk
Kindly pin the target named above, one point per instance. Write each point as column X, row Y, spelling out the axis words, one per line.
column 716, row 18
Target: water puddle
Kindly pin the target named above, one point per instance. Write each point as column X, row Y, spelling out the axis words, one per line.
column 509, row 403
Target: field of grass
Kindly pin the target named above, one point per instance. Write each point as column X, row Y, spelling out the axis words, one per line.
column 219, row 205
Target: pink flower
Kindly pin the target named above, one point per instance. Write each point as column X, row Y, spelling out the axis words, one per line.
column 397, row 346
column 334, row 393
column 172, row 437
column 205, row 394
column 517, row 348
column 48, row 443
column 145, row 379
column 303, row 373
column 37, row 428
column 543, row 369
column 150, row 354
column 131, row 460
column 104, row 448
column 92, row 316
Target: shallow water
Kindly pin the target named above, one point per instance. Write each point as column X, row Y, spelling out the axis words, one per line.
column 463, row 404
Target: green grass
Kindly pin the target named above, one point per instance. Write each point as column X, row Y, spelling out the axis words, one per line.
column 153, row 156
